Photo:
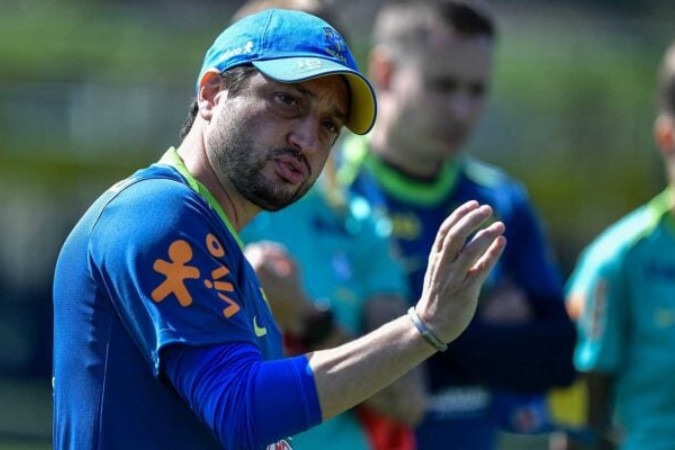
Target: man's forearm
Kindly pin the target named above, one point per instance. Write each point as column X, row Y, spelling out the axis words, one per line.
column 405, row 400
column 347, row 375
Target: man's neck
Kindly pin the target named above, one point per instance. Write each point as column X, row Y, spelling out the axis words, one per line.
column 396, row 159
column 238, row 210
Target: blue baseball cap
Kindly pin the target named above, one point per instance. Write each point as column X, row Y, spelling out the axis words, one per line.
column 293, row 46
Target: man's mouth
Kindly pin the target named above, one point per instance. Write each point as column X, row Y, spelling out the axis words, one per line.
column 291, row 169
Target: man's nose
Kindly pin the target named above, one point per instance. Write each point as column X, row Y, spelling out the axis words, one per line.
column 461, row 105
column 305, row 135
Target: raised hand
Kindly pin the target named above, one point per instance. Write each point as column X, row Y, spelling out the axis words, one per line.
column 457, row 269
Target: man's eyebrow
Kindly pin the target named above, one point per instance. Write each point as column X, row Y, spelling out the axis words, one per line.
column 311, row 94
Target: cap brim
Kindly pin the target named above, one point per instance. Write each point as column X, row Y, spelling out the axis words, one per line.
column 363, row 110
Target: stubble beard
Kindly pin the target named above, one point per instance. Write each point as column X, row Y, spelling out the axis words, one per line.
column 237, row 162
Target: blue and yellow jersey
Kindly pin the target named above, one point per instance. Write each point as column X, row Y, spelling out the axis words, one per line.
column 417, row 209
column 486, row 354
column 624, row 291
column 153, row 263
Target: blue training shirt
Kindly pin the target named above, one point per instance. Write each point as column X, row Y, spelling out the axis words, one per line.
column 153, row 263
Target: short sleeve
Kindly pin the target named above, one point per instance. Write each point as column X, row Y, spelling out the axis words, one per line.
column 173, row 271
column 597, row 287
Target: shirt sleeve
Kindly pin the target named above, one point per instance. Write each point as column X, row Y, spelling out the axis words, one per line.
column 248, row 403
column 598, row 285
column 173, row 271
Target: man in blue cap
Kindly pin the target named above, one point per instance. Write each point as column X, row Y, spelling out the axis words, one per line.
column 163, row 337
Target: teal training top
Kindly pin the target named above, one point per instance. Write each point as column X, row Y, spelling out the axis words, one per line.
column 625, row 281
column 343, row 251
column 344, row 255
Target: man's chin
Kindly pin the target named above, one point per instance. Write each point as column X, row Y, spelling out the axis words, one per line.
column 272, row 208
column 273, row 198
column 275, row 204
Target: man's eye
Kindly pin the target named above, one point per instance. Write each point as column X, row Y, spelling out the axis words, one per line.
column 444, row 86
column 287, row 98
column 331, row 126
column 477, row 90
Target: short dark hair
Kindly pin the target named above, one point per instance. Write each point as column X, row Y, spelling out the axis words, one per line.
column 235, row 79
column 402, row 24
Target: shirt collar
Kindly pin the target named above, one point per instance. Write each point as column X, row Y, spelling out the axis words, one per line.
column 173, row 159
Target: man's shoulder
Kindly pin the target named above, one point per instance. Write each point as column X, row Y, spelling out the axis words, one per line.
column 152, row 199
column 165, row 175
column 494, row 185
column 620, row 237
column 487, row 174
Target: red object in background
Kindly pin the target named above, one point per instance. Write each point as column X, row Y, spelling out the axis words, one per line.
column 385, row 434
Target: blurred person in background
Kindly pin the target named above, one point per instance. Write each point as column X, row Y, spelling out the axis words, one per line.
column 329, row 276
column 622, row 293
column 163, row 337
column 326, row 265
column 431, row 64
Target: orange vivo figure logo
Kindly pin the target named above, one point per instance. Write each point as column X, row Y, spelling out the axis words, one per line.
column 177, row 271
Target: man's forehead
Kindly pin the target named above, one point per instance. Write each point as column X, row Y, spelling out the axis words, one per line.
column 330, row 88
column 457, row 55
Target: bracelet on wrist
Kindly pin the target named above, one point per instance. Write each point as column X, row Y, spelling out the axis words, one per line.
column 430, row 337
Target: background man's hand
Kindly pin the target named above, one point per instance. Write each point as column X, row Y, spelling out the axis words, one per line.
column 280, row 279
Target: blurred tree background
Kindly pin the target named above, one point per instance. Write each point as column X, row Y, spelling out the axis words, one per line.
column 92, row 90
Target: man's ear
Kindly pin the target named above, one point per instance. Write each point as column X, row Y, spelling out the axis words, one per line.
column 664, row 135
column 381, row 67
column 209, row 88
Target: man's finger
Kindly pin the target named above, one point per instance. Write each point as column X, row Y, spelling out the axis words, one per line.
column 455, row 239
column 481, row 268
column 450, row 222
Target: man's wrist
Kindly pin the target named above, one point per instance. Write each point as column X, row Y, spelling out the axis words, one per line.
column 428, row 335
